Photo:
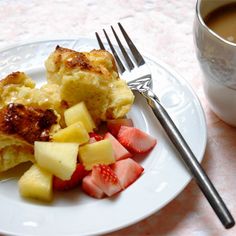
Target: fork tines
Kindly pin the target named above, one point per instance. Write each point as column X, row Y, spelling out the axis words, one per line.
column 137, row 56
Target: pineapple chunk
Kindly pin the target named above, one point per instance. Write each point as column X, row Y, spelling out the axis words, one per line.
column 79, row 112
column 96, row 153
column 36, row 183
column 57, row 158
column 73, row 133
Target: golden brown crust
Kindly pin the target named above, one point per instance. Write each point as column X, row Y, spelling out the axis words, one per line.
column 80, row 60
column 62, row 50
column 13, row 78
column 73, row 59
column 27, row 123
column 17, row 78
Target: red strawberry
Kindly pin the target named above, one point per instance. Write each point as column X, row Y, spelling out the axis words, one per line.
column 135, row 140
column 98, row 137
column 76, row 178
column 105, row 178
column 127, row 171
column 114, row 125
column 90, row 188
column 92, row 140
column 120, row 151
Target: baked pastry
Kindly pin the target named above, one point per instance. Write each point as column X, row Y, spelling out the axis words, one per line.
column 90, row 77
column 20, row 126
column 19, row 88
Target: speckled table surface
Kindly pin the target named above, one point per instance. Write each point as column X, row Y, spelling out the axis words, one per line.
column 164, row 29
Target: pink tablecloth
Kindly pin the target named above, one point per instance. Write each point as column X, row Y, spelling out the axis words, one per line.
column 162, row 28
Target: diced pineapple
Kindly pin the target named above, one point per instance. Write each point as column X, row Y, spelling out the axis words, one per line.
column 36, row 183
column 73, row 133
column 79, row 112
column 100, row 152
column 58, row 158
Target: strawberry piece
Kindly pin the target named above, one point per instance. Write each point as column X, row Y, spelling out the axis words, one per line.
column 135, row 140
column 76, row 178
column 105, row 178
column 92, row 140
column 127, row 171
column 113, row 126
column 90, row 188
column 120, row 151
column 98, row 137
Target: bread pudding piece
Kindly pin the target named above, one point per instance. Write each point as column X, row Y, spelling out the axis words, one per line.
column 20, row 126
column 90, row 77
column 20, row 88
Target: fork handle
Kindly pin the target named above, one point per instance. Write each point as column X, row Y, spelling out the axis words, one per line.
column 190, row 160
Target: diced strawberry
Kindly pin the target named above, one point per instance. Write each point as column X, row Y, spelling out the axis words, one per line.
column 113, row 126
column 98, row 137
column 92, row 140
column 76, row 178
column 127, row 171
column 135, row 140
column 90, row 188
column 105, row 178
column 120, row 151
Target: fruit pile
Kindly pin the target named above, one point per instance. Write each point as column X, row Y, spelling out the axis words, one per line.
column 102, row 164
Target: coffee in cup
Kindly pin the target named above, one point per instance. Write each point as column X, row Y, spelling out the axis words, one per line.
column 214, row 36
column 223, row 21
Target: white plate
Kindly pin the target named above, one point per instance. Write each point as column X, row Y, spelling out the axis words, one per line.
column 74, row 213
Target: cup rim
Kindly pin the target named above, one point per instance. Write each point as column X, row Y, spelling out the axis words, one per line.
column 200, row 19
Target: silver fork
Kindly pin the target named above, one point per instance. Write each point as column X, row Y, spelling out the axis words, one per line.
column 140, row 79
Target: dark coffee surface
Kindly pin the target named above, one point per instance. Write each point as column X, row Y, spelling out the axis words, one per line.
column 223, row 22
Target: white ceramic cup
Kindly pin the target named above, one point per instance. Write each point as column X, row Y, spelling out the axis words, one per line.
column 217, row 58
